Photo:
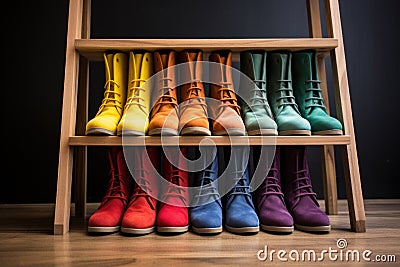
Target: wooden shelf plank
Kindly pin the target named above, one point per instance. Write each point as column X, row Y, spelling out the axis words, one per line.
column 207, row 140
column 93, row 49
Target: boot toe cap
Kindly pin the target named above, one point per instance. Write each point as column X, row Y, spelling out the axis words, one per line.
column 131, row 124
column 207, row 216
column 277, row 218
column 172, row 216
column 311, row 218
column 320, row 124
column 243, row 216
column 103, row 219
column 162, row 122
column 290, row 123
column 105, row 123
column 254, row 123
column 138, row 220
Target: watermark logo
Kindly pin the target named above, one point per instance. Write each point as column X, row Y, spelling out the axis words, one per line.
column 161, row 84
column 339, row 253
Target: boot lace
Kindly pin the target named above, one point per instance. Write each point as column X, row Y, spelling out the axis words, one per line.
column 110, row 97
column 271, row 185
column 207, row 188
column 302, row 185
column 314, row 98
column 174, row 189
column 226, row 97
column 259, row 93
column 142, row 189
column 193, row 92
column 286, row 94
column 135, row 99
column 240, row 187
column 114, row 188
column 165, row 93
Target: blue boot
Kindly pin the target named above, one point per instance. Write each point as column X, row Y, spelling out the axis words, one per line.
column 240, row 214
column 206, row 212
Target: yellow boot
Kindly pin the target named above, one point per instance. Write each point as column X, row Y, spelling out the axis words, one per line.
column 110, row 111
column 135, row 117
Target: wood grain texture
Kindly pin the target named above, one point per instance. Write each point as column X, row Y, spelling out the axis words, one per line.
column 68, row 123
column 27, row 240
column 344, row 110
column 327, row 151
column 207, row 140
column 80, row 156
column 93, row 49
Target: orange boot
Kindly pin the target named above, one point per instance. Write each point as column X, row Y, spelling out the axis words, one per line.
column 164, row 115
column 225, row 112
column 193, row 109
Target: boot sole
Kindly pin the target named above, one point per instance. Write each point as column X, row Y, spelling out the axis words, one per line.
column 131, row 132
column 137, row 231
column 181, row 229
column 242, row 230
column 329, row 132
column 295, row 132
column 263, row 132
column 278, row 229
column 323, row 228
column 200, row 230
column 93, row 229
column 232, row 131
column 163, row 131
column 99, row 131
column 195, row 131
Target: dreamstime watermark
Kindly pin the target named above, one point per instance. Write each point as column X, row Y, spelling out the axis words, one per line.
column 338, row 253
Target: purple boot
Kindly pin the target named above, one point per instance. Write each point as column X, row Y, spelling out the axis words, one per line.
column 299, row 195
column 272, row 212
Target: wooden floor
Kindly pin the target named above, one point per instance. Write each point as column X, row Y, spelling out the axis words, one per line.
column 26, row 239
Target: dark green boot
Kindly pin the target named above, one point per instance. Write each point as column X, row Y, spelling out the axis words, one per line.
column 257, row 114
column 281, row 98
column 306, row 87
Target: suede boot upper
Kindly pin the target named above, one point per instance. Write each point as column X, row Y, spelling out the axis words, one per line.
column 256, row 111
column 281, row 98
column 164, row 115
column 306, row 86
column 225, row 112
column 110, row 111
column 193, row 115
column 135, row 118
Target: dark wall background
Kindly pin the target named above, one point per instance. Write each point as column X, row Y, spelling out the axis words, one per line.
column 34, row 38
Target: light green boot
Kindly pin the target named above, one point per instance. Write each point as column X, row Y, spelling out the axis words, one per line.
column 257, row 114
column 306, row 87
column 281, row 98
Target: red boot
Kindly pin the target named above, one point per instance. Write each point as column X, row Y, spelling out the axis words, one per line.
column 108, row 216
column 173, row 216
column 140, row 216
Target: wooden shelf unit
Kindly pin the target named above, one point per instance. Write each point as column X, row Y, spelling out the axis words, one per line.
column 81, row 49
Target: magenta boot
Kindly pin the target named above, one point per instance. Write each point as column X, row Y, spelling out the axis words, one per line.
column 272, row 212
column 299, row 195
